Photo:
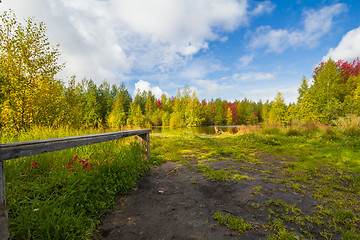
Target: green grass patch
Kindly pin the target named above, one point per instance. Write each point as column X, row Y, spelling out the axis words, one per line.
column 234, row 223
column 63, row 194
column 214, row 175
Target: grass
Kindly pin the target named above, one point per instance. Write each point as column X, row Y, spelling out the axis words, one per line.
column 51, row 196
column 312, row 161
column 235, row 223
column 63, row 194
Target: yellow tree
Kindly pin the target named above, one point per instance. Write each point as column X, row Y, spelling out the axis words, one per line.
column 28, row 64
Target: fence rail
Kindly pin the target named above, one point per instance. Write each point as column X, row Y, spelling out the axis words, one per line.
column 22, row 149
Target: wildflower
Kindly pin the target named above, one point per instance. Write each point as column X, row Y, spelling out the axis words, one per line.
column 85, row 166
column 34, row 164
column 106, row 161
column 165, row 162
column 69, row 164
column 91, row 165
column 98, row 162
column 75, row 158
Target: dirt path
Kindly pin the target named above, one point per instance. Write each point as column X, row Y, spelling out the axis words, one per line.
column 175, row 201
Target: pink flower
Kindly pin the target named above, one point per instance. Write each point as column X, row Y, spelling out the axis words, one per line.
column 69, row 164
column 75, row 158
column 91, row 165
column 85, row 166
column 34, row 164
column 99, row 162
column 165, row 162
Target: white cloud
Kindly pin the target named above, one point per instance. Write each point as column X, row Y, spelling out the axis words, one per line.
column 142, row 85
column 253, row 76
column 348, row 48
column 110, row 39
column 210, row 88
column 200, row 68
column 289, row 93
column 264, row 7
column 316, row 25
column 245, row 60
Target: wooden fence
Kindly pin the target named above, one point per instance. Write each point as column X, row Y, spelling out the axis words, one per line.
column 22, row 149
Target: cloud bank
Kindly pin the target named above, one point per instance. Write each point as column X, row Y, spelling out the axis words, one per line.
column 315, row 25
column 111, row 39
column 348, row 48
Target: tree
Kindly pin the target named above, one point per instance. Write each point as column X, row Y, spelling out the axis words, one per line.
column 278, row 110
column 219, row 112
column 105, row 100
column 117, row 117
column 304, row 88
column 323, row 101
column 351, row 103
column 91, row 107
column 28, row 65
column 229, row 117
column 73, row 105
column 192, row 112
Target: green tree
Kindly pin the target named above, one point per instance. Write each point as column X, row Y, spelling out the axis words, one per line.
column 117, row 117
column 303, row 90
column 28, row 65
column 351, row 103
column 219, row 112
column 192, row 112
column 323, row 101
column 73, row 106
column 105, row 100
column 91, row 106
column 277, row 113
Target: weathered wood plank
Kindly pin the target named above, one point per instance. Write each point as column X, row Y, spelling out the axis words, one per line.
column 23, row 149
column 4, row 228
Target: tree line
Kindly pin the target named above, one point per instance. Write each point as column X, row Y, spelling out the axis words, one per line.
column 31, row 95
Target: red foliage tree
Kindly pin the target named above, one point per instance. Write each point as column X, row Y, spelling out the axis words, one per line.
column 348, row 68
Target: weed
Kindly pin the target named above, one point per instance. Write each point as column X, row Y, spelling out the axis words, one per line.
column 234, row 223
column 239, row 177
column 211, row 174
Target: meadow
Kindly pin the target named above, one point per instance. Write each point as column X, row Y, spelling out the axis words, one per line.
column 305, row 181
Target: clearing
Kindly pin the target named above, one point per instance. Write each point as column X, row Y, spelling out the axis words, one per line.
column 231, row 188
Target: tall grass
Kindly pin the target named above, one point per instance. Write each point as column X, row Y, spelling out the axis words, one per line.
column 349, row 125
column 63, row 194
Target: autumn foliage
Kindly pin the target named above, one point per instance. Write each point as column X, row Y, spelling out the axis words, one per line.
column 31, row 95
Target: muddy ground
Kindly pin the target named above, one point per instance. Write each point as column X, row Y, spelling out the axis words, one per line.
column 175, row 201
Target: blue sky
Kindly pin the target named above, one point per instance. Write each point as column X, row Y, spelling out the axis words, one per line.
column 219, row 48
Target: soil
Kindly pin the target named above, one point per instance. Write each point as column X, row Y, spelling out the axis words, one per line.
column 175, row 201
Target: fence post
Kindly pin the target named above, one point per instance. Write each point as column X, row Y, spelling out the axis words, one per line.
column 4, row 228
column 146, row 138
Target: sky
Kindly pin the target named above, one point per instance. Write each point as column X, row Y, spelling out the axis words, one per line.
column 228, row 49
